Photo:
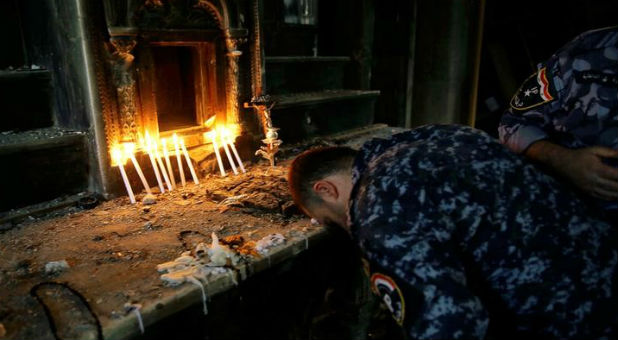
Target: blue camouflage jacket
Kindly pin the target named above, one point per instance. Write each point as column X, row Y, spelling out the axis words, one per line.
column 464, row 239
column 571, row 100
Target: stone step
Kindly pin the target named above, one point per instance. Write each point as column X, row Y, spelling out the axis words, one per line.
column 306, row 115
column 26, row 97
column 290, row 74
column 41, row 165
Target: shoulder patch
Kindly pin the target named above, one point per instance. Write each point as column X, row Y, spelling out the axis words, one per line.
column 391, row 295
column 535, row 91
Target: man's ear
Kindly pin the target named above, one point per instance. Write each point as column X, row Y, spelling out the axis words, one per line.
column 326, row 190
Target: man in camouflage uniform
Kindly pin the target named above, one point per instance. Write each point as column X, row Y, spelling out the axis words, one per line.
column 463, row 238
column 565, row 116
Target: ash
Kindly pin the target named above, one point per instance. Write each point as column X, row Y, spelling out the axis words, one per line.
column 112, row 251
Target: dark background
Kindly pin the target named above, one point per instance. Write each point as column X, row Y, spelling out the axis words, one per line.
column 379, row 38
column 385, row 39
column 520, row 34
column 423, row 57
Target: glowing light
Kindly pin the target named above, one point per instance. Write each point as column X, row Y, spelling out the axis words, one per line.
column 210, row 121
column 120, row 160
column 129, row 151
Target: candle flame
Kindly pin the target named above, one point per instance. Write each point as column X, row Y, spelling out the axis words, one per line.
column 210, row 121
column 129, row 149
column 118, row 156
column 147, row 143
column 121, row 153
column 150, row 143
column 154, row 145
column 212, row 134
column 223, row 131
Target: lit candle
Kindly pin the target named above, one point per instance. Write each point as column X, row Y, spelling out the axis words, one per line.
column 148, row 145
column 180, row 169
column 188, row 159
column 227, row 152
column 129, row 149
column 208, row 123
column 118, row 159
column 161, row 167
column 213, row 137
column 166, row 154
column 230, row 141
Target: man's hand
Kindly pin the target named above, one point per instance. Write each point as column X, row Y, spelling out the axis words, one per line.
column 582, row 167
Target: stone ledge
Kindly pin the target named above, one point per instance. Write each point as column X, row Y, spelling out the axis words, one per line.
column 186, row 295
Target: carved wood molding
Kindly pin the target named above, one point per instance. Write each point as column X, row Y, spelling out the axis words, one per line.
column 124, row 81
column 145, row 21
column 232, row 79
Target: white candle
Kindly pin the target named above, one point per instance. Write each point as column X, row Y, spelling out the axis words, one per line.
column 154, row 164
column 180, row 169
column 117, row 154
column 242, row 167
column 161, row 167
column 129, row 149
column 170, row 171
column 156, row 171
column 229, row 157
column 188, row 159
column 213, row 138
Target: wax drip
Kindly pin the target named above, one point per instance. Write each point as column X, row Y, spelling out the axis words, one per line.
column 199, row 283
column 233, row 277
column 135, row 308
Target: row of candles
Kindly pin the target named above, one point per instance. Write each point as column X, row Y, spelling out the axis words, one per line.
column 125, row 151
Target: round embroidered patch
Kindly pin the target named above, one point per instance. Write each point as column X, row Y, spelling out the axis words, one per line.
column 391, row 295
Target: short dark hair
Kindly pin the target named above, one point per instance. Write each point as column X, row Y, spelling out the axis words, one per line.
column 313, row 165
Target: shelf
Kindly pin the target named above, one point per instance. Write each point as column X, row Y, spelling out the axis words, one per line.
column 314, row 98
column 307, row 59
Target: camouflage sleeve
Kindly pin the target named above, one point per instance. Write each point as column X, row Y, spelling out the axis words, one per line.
column 530, row 115
column 410, row 244
column 519, row 131
column 528, row 118
column 430, row 298
column 572, row 93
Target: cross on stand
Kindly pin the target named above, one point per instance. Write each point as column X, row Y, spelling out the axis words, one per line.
column 262, row 105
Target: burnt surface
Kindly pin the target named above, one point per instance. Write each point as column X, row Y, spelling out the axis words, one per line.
column 114, row 248
column 26, row 99
column 41, row 165
column 112, row 251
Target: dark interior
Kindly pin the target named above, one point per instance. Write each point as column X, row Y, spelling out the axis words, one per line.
column 175, row 86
